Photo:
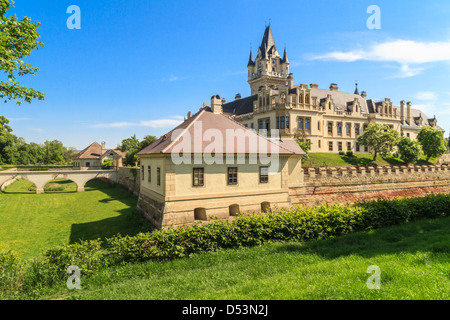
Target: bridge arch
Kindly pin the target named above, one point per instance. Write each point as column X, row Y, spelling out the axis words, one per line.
column 82, row 187
column 55, row 179
column 40, row 179
column 11, row 180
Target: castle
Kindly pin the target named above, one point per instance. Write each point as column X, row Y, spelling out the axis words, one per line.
column 329, row 118
column 198, row 189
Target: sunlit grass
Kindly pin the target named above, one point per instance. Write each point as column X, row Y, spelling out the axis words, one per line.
column 414, row 260
column 31, row 223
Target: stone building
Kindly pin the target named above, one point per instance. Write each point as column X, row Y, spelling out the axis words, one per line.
column 329, row 118
column 217, row 178
column 92, row 157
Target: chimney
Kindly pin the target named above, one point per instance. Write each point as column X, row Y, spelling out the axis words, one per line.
column 216, row 104
column 189, row 115
column 408, row 113
column 402, row 111
column 224, row 101
column 103, row 147
column 334, row 87
column 364, row 95
column 314, row 86
column 237, row 97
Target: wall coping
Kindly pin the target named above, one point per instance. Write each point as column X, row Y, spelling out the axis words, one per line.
column 377, row 169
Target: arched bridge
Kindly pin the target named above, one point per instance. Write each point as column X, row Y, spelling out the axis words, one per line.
column 41, row 178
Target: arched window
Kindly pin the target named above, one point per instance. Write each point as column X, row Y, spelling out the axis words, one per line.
column 265, row 207
column 200, row 214
column 234, row 210
column 307, row 99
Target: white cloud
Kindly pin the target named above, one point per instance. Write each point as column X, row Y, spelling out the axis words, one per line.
column 161, row 123
column 173, row 78
column 403, row 52
column 426, row 108
column 426, row 96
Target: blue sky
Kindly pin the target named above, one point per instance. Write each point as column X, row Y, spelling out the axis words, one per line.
column 138, row 67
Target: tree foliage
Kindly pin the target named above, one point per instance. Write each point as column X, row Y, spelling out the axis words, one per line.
column 432, row 141
column 410, row 151
column 16, row 151
column 17, row 40
column 380, row 138
column 132, row 146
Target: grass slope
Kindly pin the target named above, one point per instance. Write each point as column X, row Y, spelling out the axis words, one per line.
column 414, row 260
column 32, row 223
column 322, row 159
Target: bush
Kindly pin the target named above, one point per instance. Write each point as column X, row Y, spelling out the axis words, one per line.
column 11, row 274
column 349, row 154
column 341, row 153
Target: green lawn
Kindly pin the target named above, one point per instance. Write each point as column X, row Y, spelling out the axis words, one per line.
column 323, row 159
column 414, row 260
column 32, row 223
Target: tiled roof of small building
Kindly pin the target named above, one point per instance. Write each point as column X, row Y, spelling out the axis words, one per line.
column 209, row 120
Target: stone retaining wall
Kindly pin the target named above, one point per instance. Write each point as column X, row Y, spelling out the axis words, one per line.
column 351, row 184
column 126, row 177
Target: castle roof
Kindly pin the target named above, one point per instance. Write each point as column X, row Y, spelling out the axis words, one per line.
column 207, row 120
column 267, row 47
column 241, row 106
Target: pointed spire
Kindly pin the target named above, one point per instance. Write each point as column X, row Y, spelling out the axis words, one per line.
column 264, row 52
column 267, row 43
column 285, row 57
column 356, row 90
column 250, row 59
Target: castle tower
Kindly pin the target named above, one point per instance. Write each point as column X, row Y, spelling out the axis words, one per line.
column 268, row 70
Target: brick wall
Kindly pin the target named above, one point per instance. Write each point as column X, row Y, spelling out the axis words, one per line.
column 350, row 184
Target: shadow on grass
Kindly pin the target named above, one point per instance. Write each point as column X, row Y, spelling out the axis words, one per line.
column 128, row 223
column 428, row 235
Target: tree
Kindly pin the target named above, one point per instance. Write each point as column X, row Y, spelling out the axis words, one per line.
column 148, row 140
column 17, row 40
column 432, row 141
column 54, row 152
column 448, row 141
column 7, row 139
column 130, row 144
column 381, row 138
column 410, row 151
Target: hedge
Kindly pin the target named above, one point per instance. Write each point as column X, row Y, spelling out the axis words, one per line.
column 294, row 224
